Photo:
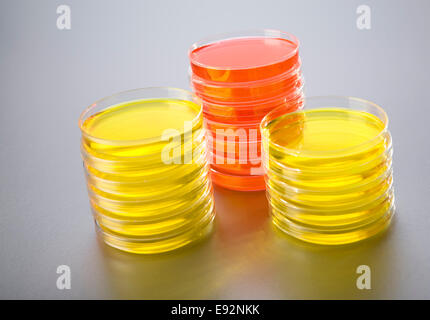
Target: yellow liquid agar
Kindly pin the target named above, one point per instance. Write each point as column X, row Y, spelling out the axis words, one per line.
column 329, row 174
column 142, row 203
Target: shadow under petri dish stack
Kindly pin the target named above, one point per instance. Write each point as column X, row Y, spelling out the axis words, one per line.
column 146, row 167
column 329, row 170
column 240, row 77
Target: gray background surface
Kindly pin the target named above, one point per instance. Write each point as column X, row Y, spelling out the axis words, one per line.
column 48, row 76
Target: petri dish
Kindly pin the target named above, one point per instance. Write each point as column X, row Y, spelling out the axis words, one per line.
column 329, row 169
column 244, row 56
column 240, row 77
column 146, row 168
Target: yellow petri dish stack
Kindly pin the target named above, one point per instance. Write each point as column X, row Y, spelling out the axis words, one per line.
column 146, row 169
column 329, row 170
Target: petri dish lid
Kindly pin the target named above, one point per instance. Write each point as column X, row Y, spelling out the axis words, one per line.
column 102, row 122
column 378, row 124
column 244, row 56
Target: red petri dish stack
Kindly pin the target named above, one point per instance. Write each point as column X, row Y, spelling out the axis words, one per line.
column 241, row 77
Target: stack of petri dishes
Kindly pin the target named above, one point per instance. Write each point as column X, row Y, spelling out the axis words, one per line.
column 329, row 170
column 146, row 167
column 240, row 77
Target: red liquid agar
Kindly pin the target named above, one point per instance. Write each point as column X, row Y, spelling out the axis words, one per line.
column 244, row 59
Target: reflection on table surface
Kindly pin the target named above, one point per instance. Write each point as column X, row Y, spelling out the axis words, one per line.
column 246, row 258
